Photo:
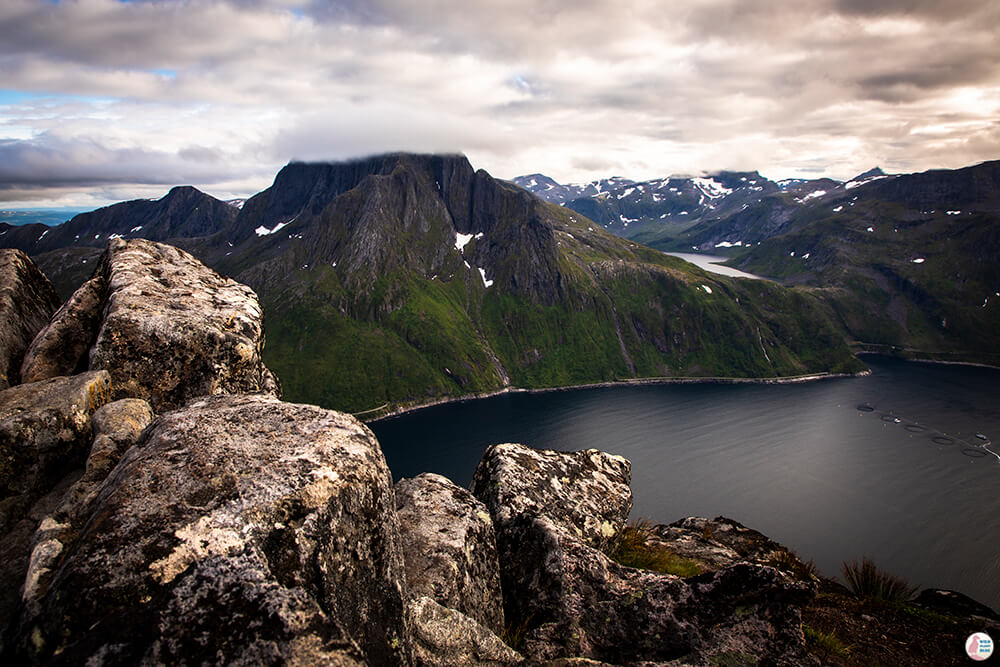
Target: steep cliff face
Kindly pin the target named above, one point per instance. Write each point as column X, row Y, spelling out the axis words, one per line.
column 407, row 277
column 907, row 263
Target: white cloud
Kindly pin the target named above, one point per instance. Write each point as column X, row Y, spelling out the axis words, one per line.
column 221, row 94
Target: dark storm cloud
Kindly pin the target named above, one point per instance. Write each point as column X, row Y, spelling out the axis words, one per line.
column 933, row 9
column 45, row 162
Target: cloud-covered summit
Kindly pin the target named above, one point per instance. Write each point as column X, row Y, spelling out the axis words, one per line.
column 108, row 99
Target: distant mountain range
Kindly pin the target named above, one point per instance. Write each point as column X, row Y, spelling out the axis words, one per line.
column 404, row 278
column 908, row 262
column 660, row 212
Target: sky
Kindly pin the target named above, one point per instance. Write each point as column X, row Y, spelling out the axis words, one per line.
column 103, row 100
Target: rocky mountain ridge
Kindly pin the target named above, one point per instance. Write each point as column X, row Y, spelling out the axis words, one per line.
column 399, row 279
column 159, row 518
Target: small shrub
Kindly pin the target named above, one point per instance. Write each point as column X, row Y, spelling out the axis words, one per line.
column 632, row 548
column 513, row 633
column 868, row 581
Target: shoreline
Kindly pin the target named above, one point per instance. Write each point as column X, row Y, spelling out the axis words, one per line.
column 788, row 379
column 926, row 360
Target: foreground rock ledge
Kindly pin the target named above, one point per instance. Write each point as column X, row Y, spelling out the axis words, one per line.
column 239, row 530
column 555, row 515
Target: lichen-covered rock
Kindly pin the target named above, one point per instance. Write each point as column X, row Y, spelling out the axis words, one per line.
column 45, row 430
column 444, row 637
column 116, row 426
column 586, row 492
column 719, row 542
column 173, row 329
column 573, row 601
column 27, row 300
column 239, row 530
column 449, row 548
column 61, row 347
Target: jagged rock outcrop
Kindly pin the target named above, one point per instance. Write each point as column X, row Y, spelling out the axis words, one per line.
column 60, row 348
column 45, row 432
column 168, row 328
column 445, row 637
column 574, row 601
column 449, row 548
column 239, row 530
column 27, row 300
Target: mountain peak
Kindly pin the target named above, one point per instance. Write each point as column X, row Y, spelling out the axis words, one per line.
column 871, row 173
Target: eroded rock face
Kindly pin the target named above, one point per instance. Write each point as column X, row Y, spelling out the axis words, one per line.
column 45, row 432
column 117, row 427
column 449, row 548
column 573, row 601
column 444, row 637
column 61, row 347
column 173, row 329
column 27, row 300
column 585, row 492
column 239, row 530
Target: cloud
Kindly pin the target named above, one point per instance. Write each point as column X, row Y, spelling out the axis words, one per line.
column 222, row 93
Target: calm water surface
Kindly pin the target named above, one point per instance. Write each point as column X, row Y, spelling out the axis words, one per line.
column 801, row 463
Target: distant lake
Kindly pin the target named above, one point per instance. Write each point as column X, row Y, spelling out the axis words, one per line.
column 711, row 263
column 800, row 462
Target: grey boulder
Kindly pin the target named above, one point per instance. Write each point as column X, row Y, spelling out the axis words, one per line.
column 587, row 493
column 239, row 530
column 444, row 637
column 45, row 433
column 61, row 347
column 449, row 548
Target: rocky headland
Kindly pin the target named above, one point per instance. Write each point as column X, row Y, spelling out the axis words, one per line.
column 160, row 504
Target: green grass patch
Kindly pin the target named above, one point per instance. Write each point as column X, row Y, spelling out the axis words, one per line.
column 632, row 548
column 825, row 644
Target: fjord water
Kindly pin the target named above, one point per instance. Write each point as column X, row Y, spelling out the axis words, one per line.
column 798, row 462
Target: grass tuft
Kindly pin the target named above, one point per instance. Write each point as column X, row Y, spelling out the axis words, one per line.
column 825, row 644
column 787, row 561
column 632, row 548
column 868, row 581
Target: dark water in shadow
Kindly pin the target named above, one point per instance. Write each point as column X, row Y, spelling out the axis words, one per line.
column 801, row 463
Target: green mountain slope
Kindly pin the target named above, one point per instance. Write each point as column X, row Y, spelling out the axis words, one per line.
column 405, row 278
column 908, row 264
